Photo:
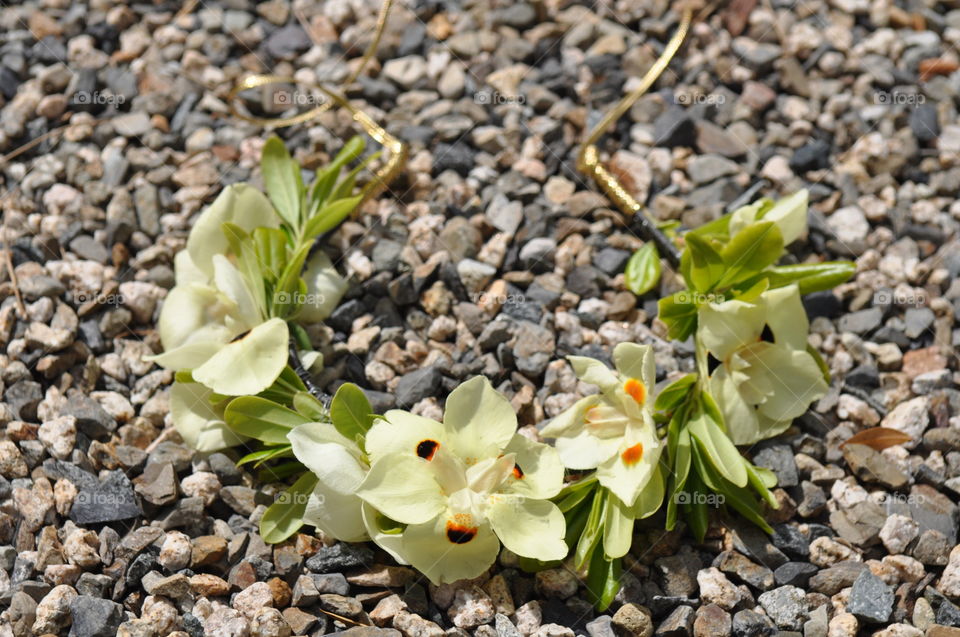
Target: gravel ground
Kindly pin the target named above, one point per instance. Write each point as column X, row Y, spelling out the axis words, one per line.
column 491, row 256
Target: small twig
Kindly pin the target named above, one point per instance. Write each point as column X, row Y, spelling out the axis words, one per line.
column 342, row 618
column 8, row 261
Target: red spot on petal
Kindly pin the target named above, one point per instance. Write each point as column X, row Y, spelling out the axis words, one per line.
column 426, row 448
column 632, row 455
column 517, row 472
column 636, row 390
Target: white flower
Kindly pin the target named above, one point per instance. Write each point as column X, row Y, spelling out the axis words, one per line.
column 198, row 420
column 212, row 322
column 613, row 431
column 789, row 214
column 338, row 463
column 764, row 375
column 464, row 485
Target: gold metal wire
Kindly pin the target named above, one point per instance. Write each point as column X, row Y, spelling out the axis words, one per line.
column 398, row 149
column 588, row 159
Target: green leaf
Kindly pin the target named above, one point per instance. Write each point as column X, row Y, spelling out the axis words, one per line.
column 330, row 216
column 603, row 580
column 822, row 364
column 572, row 499
column 673, row 394
column 592, row 530
column 290, row 292
column 720, row 450
column 261, row 419
column 327, row 178
column 261, row 456
column 679, row 448
column 531, row 565
column 576, row 519
column 643, row 269
column 346, row 185
column 243, row 247
column 350, row 411
column 696, row 512
column 809, row 277
column 762, row 480
column 281, row 178
column 750, row 251
column 285, row 516
column 307, row 405
column 719, row 227
column 706, row 265
column 679, row 313
column 271, row 250
column 282, row 471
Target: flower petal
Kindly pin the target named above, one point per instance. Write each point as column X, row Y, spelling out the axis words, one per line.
column 184, row 312
column 795, row 379
column 651, row 496
column 617, row 527
column 392, row 543
column 570, row 422
column 190, row 355
column 725, row 327
column 325, row 288
column 429, row 549
column 786, row 317
column 594, row 372
column 331, row 456
column 402, row 432
column 198, row 422
column 336, row 513
column 586, row 451
column 403, row 488
column 231, row 283
column 480, row 419
column 790, row 215
column 241, row 204
column 187, row 271
column 627, row 472
column 636, row 361
column 528, row 527
column 740, row 418
column 538, row 472
column 248, row 365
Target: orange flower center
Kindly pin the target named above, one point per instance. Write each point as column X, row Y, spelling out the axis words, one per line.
column 632, row 455
column 636, row 390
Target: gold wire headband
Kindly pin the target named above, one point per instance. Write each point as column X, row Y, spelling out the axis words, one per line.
column 588, row 160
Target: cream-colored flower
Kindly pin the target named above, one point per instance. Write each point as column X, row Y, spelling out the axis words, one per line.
column 339, row 465
column 465, row 485
column 764, row 375
column 613, row 431
column 789, row 214
column 213, row 324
